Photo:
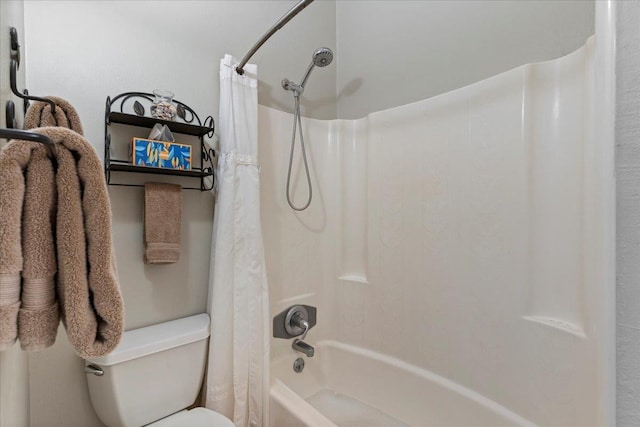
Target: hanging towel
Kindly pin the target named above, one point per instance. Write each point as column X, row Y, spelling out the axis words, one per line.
column 162, row 222
column 39, row 115
column 87, row 287
column 38, row 318
column 13, row 160
column 91, row 303
column 28, row 196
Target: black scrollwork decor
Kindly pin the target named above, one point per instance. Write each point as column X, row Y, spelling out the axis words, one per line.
column 129, row 109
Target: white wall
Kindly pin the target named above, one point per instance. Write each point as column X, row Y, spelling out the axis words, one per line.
column 394, row 52
column 628, row 213
column 97, row 49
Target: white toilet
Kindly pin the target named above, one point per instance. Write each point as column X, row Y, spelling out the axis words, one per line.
column 152, row 376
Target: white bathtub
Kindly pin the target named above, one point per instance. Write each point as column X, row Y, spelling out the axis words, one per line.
column 343, row 385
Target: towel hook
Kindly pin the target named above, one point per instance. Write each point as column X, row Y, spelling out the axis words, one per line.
column 16, row 92
column 15, row 46
column 13, row 71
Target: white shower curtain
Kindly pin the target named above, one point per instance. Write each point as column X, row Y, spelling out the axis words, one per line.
column 238, row 367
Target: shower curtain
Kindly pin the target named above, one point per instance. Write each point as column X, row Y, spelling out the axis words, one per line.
column 238, row 366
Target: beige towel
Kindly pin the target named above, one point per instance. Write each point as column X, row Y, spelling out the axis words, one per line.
column 39, row 115
column 91, row 302
column 87, row 287
column 27, row 210
column 162, row 222
column 39, row 314
column 39, row 317
column 13, row 160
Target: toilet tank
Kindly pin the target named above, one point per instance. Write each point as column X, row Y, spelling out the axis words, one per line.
column 153, row 373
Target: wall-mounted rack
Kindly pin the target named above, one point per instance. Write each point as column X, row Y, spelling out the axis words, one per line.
column 189, row 124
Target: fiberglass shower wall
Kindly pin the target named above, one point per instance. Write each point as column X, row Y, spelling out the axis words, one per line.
column 455, row 234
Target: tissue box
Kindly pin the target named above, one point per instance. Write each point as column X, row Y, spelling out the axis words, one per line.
column 161, row 154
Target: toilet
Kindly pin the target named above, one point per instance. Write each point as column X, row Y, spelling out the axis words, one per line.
column 152, row 376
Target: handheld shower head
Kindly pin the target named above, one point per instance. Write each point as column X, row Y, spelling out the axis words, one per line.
column 321, row 58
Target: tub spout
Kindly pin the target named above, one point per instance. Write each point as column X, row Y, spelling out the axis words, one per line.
column 303, row 347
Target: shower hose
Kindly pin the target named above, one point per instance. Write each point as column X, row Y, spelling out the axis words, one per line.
column 297, row 123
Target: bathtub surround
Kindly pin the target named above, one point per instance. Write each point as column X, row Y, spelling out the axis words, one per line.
column 65, row 115
column 90, row 300
column 162, row 222
column 237, row 383
column 445, row 241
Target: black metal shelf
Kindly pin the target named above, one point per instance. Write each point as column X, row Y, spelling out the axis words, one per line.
column 190, row 124
column 149, row 122
column 194, row 173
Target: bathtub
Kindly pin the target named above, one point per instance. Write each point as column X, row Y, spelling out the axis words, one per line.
column 343, row 385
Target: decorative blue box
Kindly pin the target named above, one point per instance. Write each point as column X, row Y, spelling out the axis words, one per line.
column 161, row 154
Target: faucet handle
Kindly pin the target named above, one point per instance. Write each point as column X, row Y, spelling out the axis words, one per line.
column 302, row 323
column 295, row 321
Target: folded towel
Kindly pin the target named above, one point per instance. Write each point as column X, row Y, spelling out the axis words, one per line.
column 91, row 302
column 162, row 222
column 38, row 318
column 9, row 307
column 39, row 115
column 87, row 286
column 13, row 160
column 26, row 214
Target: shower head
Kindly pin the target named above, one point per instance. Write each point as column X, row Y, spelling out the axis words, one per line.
column 322, row 57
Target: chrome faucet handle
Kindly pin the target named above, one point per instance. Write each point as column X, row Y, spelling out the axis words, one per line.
column 302, row 323
column 294, row 322
column 297, row 321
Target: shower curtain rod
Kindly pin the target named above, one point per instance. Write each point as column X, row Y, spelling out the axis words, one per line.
column 281, row 23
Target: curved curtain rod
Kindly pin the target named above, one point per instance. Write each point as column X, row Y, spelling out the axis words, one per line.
column 281, row 23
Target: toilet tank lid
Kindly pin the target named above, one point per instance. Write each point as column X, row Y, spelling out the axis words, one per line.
column 155, row 338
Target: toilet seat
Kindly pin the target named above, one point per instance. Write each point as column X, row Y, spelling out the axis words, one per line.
column 197, row 417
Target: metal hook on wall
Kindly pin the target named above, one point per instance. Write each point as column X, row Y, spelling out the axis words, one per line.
column 15, row 45
column 13, row 71
column 14, row 88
